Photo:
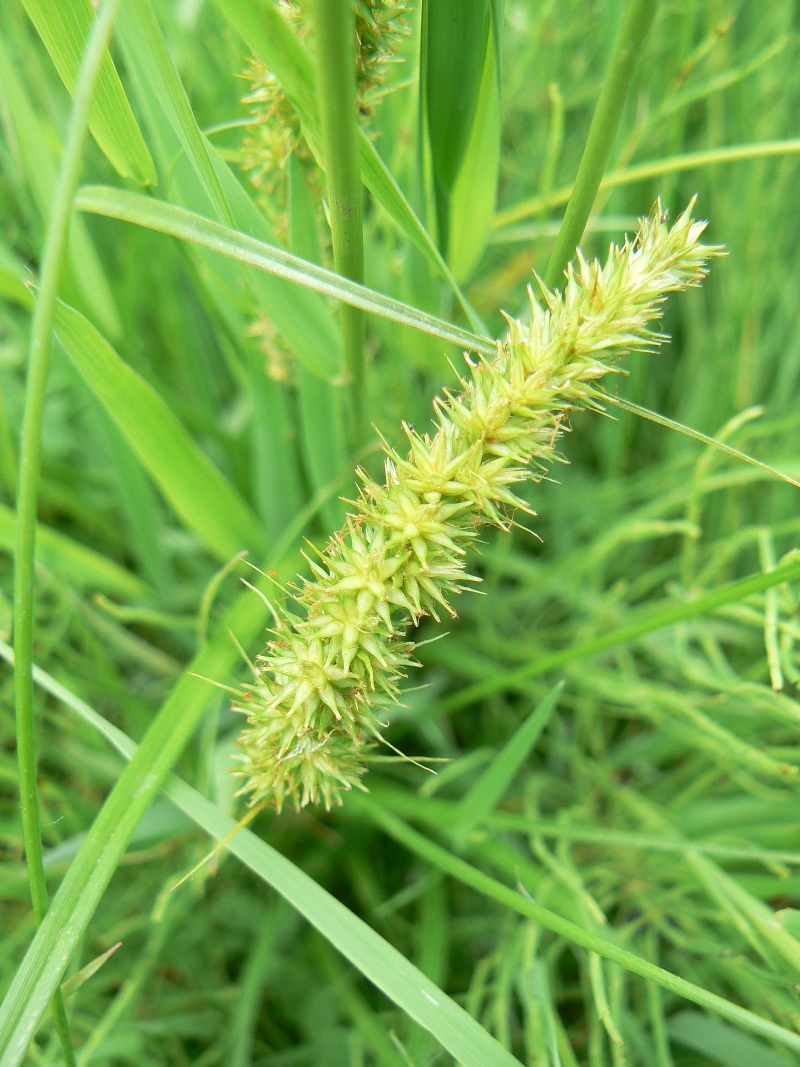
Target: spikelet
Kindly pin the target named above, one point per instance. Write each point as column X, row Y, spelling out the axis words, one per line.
column 380, row 28
column 314, row 709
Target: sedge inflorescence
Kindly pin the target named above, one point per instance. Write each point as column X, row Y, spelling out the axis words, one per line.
column 314, row 708
column 275, row 133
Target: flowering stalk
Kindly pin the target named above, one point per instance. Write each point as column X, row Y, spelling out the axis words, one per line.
column 401, row 555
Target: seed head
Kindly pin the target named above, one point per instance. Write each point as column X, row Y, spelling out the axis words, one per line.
column 314, row 710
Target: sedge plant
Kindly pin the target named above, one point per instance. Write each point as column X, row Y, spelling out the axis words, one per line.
column 624, row 751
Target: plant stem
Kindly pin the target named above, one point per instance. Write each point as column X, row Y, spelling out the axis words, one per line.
column 336, row 86
column 29, row 469
column 602, row 133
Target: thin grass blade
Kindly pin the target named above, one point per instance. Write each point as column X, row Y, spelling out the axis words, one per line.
column 655, row 168
column 30, row 461
column 85, row 882
column 382, row 964
column 64, row 26
column 490, row 788
column 650, row 621
column 696, row 435
column 517, row 900
column 140, row 34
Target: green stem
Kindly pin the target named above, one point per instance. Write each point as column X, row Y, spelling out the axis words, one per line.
column 338, row 105
column 29, row 469
column 602, row 133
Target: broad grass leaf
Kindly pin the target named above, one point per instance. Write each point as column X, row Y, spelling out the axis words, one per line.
column 85, row 279
column 202, row 497
column 456, row 36
column 145, row 48
column 474, row 193
column 64, row 26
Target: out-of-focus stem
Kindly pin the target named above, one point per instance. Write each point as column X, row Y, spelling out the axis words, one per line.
column 605, row 123
column 338, row 106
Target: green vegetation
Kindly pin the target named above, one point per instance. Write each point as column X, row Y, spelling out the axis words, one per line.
column 580, row 844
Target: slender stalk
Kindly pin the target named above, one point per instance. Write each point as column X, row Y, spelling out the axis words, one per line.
column 653, row 168
column 336, row 88
column 602, row 132
column 29, row 468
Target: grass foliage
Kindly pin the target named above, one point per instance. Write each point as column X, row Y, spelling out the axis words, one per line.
column 604, row 869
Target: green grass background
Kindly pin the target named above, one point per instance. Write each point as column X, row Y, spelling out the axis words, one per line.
column 660, row 804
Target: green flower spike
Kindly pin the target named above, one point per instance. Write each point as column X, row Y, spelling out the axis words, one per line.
column 313, row 710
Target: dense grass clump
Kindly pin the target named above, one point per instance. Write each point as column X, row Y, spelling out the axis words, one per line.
column 577, row 841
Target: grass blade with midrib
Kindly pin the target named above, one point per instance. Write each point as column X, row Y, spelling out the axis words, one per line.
column 157, row 215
